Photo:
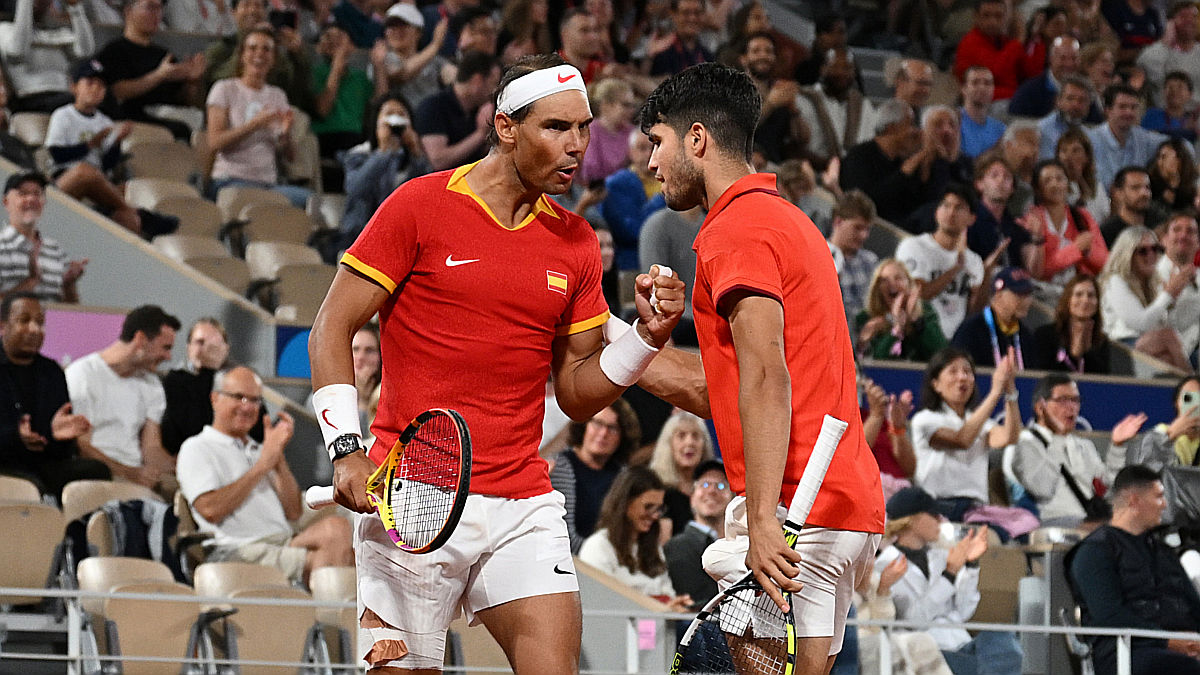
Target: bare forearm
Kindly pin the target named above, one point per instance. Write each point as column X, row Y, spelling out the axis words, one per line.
column 127, row 89
column 871, row 427
column 287, row 489
column 902, row 450
column 217, row 505
column 677, row 377
column 1007, row 433
column 582, row 389
column 764, row 407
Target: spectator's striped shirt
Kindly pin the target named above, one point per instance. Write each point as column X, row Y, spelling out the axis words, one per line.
column 14, row 264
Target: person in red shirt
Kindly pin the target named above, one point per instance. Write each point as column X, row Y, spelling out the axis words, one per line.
column 484, row 288
column 777, row 358
column 987, row 45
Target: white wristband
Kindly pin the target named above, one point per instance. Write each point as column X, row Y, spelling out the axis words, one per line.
column 625, row 359
column 614, row 328
column 336, row 406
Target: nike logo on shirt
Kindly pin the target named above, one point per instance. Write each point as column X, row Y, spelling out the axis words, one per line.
column 558, row 571
column 451, row 262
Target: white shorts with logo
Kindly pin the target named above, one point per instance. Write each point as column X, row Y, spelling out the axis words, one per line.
column 502, row 550
column 832, row 564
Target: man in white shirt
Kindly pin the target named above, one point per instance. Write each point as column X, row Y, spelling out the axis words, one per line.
column 245, row 494
column 1177, row 50
column 1180, row 243
column 118, row 390
column 839, row 115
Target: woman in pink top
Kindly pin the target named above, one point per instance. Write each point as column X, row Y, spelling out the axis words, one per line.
column 1068, row 238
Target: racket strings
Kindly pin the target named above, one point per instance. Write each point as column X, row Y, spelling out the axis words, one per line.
column 424, row 482
column 742, row 635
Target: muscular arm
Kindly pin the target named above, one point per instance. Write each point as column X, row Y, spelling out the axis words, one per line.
column 153, row 452
column 677, row 377
column 581, row 388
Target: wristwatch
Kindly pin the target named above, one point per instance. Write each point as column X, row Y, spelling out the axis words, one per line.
column 345, row 445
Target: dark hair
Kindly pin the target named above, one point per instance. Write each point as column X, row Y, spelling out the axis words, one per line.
column 1113, row 90
column 966, row 194
column 1062, row 312
column 1187, row 172
column 373, row 114
column 241, row 46
column 826, row 22
column 930, row 399
column 756, row 35
column 11, row 298
column 147, row 320
column 855, row 204
column 472, row 63
column 1077, row 82
column 1048, row 13
column 571, row 14
column 675, row 4
column 1178, row 388
column 1036, row 182
column 631, row 483
column 465, row 16
column 1045, row 386
column 1132, row 477
column 522, row 66
column 1119, row 179
column 721, row 98
column 1181, row 76
column 986, row 160
column 1076, row 135
column 631, row 431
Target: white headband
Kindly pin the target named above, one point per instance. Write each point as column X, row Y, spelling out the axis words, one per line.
column 539, row 84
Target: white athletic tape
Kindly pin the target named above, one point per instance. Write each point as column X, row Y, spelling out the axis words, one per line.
column 319, row 496
column 666, row 272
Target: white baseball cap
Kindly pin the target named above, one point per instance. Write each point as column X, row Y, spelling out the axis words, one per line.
column 406, row 13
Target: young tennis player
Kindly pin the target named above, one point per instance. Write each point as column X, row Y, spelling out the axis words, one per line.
column 484, row 288
column 776, row 357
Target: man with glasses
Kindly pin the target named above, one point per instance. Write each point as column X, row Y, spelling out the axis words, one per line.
column 710, row 496
column 244, row 493
column 1061, row 471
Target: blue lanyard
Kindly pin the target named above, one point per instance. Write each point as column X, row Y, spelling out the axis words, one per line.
column 996, row 355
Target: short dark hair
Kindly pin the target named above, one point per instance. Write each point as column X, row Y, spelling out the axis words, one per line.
column 930, row 399
column 571, row 14
column 522, row 66
column 12, row 298
column 1045, row 386
column 1075, row 81
column 1119, row 179
column 757, row 35
column 1112, row 91
column 148, row 320
column 962, row 192
column 987, row 159
column 1181, row 76
column 1133, row 477
column 472, row 63
column 465, row 16
column 721, row 98
column 827, row 21
column 855, row 204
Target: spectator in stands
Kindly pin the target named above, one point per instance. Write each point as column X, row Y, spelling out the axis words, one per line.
column 614, row 104
column 1172, row 177
column 1136, row 23
column 685, row 48
column 896, row 323
column 913, row 84
column 1176, row 443
column 476, row 30
column 1049, row 450
column 885, row 426
column 250, row 124
column 1074, row 152
column 952, row 437
column 579, row 37
column 435, row 12
column 1045, row 25
column 358, row 18
column 633, row 194
column 524, row 29
column 243, row 492
column 414, row 73
column 798, row 184
column 454, row 123
column 85, row 147
column 626, row 544
column 1020, row 149
column 986, row 44
column 1036, row 96
column 666, row 239
column 206, row 17
column 710, row 495
column 610, row 280
column 37, row 53
column 187, row 389
column 382, row 163
column 1000, row 329
column 1119, row 142
column 948, row 275
column 1066, row 238
column 993, row 222
column 1181, row 242
column 980, row 131
column 780, row 118
column 1177, row 51
column 292, row 69
column 1069, row 112
column 1098, row 65
column 841, row 116
column 118, row 391
column 1075, row 340
column 30, row 261
column 1178, row 115
column 1131, row 199
column 829, row 32
column 1125, row 577
column 140, row 73
column 343, row 92
column 682, row 445
column 1137, row 302
column 852, row 218
column 39, row 433
column 584, row 472
column 941, row 586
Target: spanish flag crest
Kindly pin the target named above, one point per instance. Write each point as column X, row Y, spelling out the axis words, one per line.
column 556, row 281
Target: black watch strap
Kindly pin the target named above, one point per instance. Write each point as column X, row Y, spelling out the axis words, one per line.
column 345, row 445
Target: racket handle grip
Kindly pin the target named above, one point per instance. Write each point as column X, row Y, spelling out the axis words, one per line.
column 319, row 496
column 666, row 272
column 814, row 474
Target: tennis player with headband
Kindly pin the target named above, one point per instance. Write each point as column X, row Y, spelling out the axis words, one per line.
column 484, row 288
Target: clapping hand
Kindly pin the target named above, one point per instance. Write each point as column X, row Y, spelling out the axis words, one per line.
column 67, row 426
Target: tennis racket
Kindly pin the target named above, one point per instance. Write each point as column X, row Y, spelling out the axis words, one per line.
column 742, row 630
column 421, row 487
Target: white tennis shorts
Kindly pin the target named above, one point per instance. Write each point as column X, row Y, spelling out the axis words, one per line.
column 832, row 564
column 502, row 550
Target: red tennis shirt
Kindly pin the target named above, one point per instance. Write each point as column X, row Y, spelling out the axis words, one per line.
column 754, row 240
column 473, row 311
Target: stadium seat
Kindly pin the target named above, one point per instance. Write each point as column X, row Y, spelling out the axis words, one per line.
column 274, row 633
column 166, row 629
column 81, row 497
column 101, row 573
column 232, row 200
column 337, row 584
column 171, row 160
column 222, row 579
column 15, row 490
column 30, row 127
column 276, row 222
column 302, row 287
column 198, row 217
column 146, row 193
column 1000, row 572
column 327, row 209
column 266, row 257
column 231, row 273
column 32, row 534
column 144, row 132
column 183, row 247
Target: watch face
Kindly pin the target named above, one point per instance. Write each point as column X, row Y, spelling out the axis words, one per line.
column 346, row 445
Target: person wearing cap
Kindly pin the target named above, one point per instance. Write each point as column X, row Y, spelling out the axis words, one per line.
column 292, row 70
column 710, row 495
column 85, row 145
column 30, row 261
column 396, row 61
column 988, row 334
column 941, row 586
column 358, row 19
column 455, row 122
column 484, row 287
